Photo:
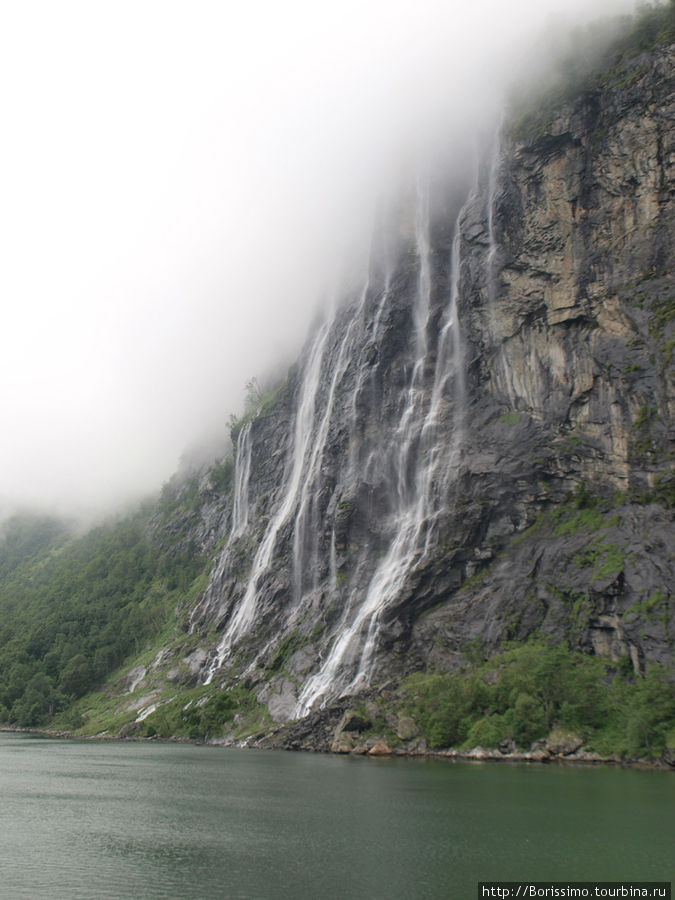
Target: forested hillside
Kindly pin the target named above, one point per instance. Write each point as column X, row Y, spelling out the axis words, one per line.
column 73, row 607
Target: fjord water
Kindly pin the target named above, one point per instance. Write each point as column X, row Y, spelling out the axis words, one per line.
column 144, row 820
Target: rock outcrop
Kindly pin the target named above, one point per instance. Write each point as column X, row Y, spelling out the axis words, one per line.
column 477, row 446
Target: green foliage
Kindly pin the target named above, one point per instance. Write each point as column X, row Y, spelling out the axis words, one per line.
column 489, row 731
column 584, row 520
column 256, row 403
column 644, row 417
column 283, row 652
column 662, row 314
column 510, row 418
column 583, row 498
column 641, row 717
column 180, row 499
column 663, row 491
column 24, row 538
column 443, row 705
column 642, row 425
column 593, row 63
column 604, row 558
column 73, row 608
column 654, row 24
column 650, row 609
column 203, row 714
column 524, row 692
column 668, row 349
column 591, row 515
column 221, row 474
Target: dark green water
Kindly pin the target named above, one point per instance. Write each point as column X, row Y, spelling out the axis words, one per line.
column 81, row 820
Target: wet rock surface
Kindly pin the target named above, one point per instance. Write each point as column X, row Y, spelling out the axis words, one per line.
column 478, row 445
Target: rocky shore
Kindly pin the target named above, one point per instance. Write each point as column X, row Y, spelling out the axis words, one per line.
column 543, row 751
column 320, row 733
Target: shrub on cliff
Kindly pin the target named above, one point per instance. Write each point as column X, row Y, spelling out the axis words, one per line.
column 524, row 692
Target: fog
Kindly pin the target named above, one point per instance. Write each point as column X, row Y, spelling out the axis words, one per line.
column 180, row 184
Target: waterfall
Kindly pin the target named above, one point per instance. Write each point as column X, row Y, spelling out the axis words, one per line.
column 245, row 612
column 423, row 298
column 242, row 472
column 493, row 187
column 242, row 475
column 416, row 441
column 332, row 564
column 409, row 458
column 306, row 521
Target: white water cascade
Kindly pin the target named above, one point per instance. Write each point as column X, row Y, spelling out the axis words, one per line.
column 419, row 461
column 362, row 497
column 306, row 527
column 493, row 186
column 245, row 612
column 242, row 474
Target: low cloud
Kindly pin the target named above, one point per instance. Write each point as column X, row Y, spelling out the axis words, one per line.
column 179, row 185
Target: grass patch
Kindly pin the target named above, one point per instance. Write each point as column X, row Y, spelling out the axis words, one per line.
column 510, row 418
column 605, row 559
column 583, row 520
column 202, row 712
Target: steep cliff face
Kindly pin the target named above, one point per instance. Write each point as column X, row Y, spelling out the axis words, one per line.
column 475, row 446
column 566, row 303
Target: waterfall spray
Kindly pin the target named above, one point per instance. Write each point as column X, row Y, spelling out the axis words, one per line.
column 242, row 473
column 415, row 503
column 246, row 609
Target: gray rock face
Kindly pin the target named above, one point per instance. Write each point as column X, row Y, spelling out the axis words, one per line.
column 477, row 445
column 406, row 728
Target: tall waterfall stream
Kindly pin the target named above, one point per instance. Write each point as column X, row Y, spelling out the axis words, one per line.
column 417, row 463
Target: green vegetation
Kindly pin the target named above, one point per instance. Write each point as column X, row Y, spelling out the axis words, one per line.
column 199, row 714
column 593, row 64
column 526, row 691
column 510, row 418
column 256, row 403
column 662, row 316
column 583, row 511
column 642, row 427
column 663, row 491
column 604, row 558
column 221, row 475
column 650, row 609
column 583, row 520
column 73, row 608
column 288, row 645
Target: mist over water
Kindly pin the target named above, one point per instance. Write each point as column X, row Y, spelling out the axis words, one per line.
column 181, row 188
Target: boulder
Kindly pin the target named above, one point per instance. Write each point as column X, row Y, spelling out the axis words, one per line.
column 407, row 728
column 380, row 748
column 562, row 743
column 342, row 744
column 482, row 753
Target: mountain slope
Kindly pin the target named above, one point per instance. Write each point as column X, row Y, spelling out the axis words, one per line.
column 473, row 449
column 508, row 363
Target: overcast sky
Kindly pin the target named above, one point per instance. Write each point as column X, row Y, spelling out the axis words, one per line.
column 177, row 183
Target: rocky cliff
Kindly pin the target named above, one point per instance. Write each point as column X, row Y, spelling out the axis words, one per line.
column 475, row 447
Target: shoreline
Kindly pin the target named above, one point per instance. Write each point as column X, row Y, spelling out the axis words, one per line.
column 451, row 754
